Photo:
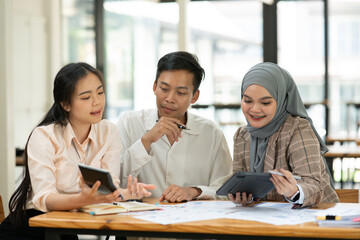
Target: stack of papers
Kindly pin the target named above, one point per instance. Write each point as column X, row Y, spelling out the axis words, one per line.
column 338, row 223
column 119, row 207
column 340, row 216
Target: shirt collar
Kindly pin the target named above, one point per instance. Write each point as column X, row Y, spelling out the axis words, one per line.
column 69, row 134
column 93, row 133
column 192, row 125
column 150, row 120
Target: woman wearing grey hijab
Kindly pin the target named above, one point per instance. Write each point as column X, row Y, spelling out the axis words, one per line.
column 280, row 136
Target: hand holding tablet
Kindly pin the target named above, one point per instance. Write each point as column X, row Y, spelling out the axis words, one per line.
column 91, row 175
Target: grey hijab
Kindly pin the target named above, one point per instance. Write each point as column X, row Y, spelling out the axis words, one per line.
column 279, row 83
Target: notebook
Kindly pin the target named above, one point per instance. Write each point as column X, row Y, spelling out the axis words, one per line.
column 118, row 207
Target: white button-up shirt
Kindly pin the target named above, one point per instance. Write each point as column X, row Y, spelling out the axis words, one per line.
column 200, row 158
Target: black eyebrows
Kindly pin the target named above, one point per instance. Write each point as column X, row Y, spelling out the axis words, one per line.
column 85, row 92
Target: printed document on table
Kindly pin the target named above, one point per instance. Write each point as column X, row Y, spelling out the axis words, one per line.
column 267, row 212
column 188, row 212
column 274, row 213
column 343, row 210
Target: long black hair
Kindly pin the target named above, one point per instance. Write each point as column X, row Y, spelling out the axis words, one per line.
column 64, row 87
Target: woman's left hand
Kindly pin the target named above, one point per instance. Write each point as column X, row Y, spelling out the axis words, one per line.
column 285, row 185
column 90, row 195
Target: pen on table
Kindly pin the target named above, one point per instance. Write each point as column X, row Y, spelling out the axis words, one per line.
column 179, row 126
column 328, row 217
column 280, row 174
column 129, row 200
column 134, row 200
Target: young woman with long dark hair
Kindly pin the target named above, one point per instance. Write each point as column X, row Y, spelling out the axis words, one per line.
column 71, row 132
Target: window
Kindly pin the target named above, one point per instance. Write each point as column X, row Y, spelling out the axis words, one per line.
column 344, row 73
column 137, row 33
column 301, row 52
column 78, row 36
column 227, row 38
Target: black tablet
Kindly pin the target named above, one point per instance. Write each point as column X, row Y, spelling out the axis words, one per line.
column 91, row 175
column 258, row 184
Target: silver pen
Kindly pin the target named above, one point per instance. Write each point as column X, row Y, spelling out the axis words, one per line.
column 179, row 126
column 280, row 174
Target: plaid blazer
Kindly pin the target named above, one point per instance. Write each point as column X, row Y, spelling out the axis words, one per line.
column 294, row 147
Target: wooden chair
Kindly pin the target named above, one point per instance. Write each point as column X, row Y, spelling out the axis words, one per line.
column 348, row 195
column 2, row 213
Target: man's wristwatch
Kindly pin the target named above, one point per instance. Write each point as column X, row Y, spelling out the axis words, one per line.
column 295, row 197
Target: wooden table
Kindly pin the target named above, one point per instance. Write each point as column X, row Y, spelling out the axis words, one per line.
column 56, row 223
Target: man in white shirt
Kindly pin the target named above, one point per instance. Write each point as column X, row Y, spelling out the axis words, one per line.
column 184, row 155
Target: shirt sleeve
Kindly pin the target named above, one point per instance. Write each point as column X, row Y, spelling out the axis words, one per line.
column 133, row 155
column 41, row 157
column 300, row 201
column 220, row 170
